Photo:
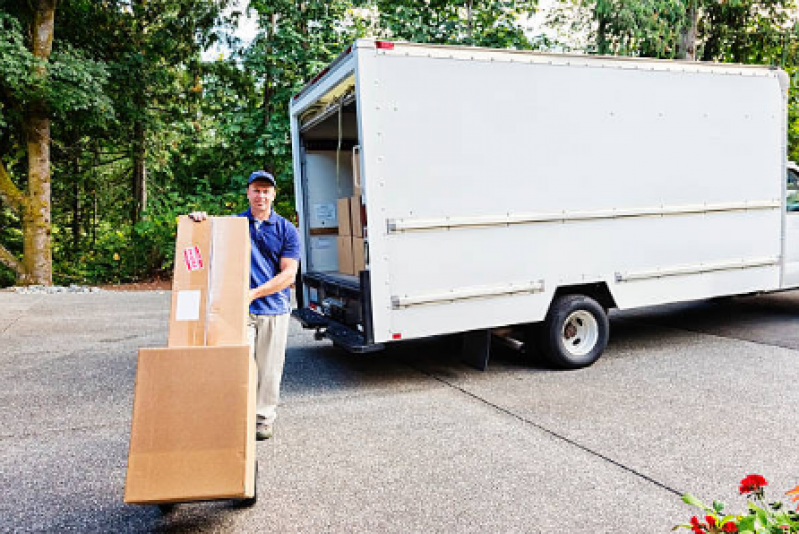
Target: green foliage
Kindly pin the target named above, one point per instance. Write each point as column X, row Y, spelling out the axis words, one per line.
column 760, row 518
column 145, row 250
column 741, row 31
column 125, row 84
column 72, row 82
column 491, row 24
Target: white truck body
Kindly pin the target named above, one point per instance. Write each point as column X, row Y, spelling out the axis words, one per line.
column 495, row 180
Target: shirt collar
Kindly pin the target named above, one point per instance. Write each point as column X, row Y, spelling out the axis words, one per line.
column 272, row 219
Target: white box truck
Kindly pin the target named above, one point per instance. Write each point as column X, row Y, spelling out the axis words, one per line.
column 503, row 188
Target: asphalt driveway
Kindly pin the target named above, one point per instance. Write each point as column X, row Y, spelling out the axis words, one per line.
column 689, row 397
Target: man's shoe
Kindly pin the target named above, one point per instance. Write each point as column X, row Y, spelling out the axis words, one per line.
column 263, row 431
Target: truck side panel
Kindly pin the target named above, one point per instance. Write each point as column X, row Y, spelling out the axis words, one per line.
column 491, row 183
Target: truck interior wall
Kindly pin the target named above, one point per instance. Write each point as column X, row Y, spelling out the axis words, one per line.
column 509, row 138
column 328, row 179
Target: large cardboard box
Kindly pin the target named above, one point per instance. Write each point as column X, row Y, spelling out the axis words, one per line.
column 211, row 283
column 343, row 216
column 358, row 255
column 193, row 427
column 345, row 259
column 356, row 171
column 356, row 216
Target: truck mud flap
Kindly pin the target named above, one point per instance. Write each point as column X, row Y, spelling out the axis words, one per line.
column 341, row 336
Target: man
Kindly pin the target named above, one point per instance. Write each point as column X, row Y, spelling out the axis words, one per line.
column 273, row 268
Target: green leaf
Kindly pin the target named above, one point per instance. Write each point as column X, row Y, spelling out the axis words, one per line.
column 718, row 506
column 693, row 501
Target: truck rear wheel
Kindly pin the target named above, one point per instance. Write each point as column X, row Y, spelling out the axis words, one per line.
column 575, row 332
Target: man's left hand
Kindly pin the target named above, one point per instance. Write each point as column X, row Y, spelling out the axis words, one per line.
column 253, row 294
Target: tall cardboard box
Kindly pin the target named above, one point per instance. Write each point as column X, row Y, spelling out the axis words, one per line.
column 193, row 430
column 345, row 259
column 356, row 216
column 358, row 255
column 343, row 216
column 356, row 171
column 193, row 425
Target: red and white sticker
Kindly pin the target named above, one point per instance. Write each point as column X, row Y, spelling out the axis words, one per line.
column 194, row 260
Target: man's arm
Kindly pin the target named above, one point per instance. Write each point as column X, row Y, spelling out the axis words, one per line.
column 283, row 279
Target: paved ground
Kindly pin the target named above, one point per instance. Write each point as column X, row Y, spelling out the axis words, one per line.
column 686, row 398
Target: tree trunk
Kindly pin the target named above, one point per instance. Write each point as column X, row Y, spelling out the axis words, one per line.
column 602, row 37
column 687, row 46
column 76, row 183
column 139, row 172
column 470, row 21
column 15, row 200
column 37, row 252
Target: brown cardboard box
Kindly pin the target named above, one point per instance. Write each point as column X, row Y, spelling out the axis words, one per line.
column 345, row 259
column 193, row 429
column 356, row 171
column 211, row 283
column 343, row 215
column 358, row 255
column 356, row 216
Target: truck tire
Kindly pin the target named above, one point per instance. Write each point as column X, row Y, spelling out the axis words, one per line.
column 575, row 332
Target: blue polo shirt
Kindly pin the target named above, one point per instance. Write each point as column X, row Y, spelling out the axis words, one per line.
column 273, row 239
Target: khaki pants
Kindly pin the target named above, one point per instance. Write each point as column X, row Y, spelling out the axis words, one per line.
column 267, row 335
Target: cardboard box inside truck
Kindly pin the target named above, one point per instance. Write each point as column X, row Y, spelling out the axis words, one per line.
column 356, row 216
column 343, row 216
column 193, row 426
column 345, row 260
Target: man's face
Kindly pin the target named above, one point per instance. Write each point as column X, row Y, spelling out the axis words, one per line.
column 261, row 194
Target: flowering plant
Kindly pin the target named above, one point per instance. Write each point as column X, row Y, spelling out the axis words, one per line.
column 761, row 518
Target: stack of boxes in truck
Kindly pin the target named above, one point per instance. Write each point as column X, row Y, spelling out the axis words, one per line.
column 350, row 241
column 351, row 228
column 193, row 429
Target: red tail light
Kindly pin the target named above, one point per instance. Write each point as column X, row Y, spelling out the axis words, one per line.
column 384, row 45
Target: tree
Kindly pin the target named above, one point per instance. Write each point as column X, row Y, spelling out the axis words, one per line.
column 34, row 87
column 493, row 24
column 742, row 31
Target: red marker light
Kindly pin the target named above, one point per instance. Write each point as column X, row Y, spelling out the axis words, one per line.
column 396, row 336
column 384, row 45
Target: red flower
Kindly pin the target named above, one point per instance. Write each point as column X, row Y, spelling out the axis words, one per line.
column 696, row 526
column 752, row 483
column 729, row 526
column 711, row 521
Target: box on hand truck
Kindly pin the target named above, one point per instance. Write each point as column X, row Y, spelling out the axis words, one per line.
column 193, row 428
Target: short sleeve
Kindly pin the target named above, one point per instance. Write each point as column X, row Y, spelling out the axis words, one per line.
column 291, row 243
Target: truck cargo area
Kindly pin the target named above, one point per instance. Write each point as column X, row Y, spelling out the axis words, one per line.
column 334, row 230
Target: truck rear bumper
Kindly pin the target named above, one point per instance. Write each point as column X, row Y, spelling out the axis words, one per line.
column 342, row 336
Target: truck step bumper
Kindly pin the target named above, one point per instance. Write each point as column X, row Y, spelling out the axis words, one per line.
column 342, row 336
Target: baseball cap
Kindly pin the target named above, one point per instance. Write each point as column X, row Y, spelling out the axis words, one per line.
column 262, row 175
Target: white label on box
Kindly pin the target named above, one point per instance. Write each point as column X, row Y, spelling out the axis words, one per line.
column 188, row 305
column 325, row 213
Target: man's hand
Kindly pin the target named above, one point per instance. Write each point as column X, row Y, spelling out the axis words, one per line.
column 253, row 294
column 198, row 216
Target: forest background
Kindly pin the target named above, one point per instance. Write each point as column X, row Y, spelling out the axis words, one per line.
column 112, row 123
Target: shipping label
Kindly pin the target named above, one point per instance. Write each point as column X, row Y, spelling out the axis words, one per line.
column 194, row 260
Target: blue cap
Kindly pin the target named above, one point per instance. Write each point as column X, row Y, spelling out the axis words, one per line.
column 262, row 175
